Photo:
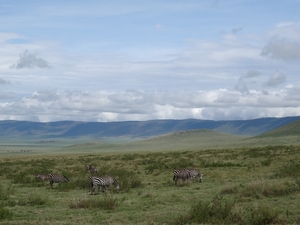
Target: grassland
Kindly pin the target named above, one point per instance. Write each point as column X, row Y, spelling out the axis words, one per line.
column 247, row 185
column 246, row 180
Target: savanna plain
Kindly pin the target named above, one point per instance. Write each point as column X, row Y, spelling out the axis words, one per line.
column 242, row 184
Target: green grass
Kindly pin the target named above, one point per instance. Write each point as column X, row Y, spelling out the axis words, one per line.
column 246, row 185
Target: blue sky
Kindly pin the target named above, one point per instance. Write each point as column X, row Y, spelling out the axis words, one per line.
column 142, row 60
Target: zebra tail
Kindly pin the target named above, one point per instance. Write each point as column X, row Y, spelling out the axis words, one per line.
column 174, row 177
column 66, row 178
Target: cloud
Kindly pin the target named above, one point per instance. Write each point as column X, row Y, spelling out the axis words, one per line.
column 4, row 82
column 29, row 60
column 276, row 79
column 245, row 80
column 236, row 30
column 222, row 104
column 280, row 48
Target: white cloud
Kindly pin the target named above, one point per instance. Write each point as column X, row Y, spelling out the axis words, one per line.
column 29, row 60
column 280, row 48
column 144, row 105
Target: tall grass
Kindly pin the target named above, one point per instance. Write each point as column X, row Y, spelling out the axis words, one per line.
column 5, row 214
column 107, row 203
column 224, row 211
column 263, row 188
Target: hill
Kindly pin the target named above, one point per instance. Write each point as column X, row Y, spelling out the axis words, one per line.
column 290, row 129
column 198, row 139
column 135, row 129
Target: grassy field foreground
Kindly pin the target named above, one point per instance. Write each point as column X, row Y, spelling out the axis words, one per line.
column 258, row 185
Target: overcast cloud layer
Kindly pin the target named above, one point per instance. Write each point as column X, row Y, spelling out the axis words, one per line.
column 143, row 60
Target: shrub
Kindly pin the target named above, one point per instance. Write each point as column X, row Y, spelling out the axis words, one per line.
column 5, row 192
column 290, row 170
column 221, row 211
column 36, row 200
column 5, row 213
column 261, row 215
column 215, row 212
column 107, row 203
column 266, row 162
column 229, row 190
column 22, row 178
column 269, row 188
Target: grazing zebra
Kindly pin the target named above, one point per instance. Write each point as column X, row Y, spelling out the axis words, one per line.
column 57, row 178
column 43, row 177
column 182, row 174
column 194, row 173
column 104, row 182
column 92, row 169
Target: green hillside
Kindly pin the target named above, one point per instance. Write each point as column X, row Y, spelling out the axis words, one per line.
column 191, row 140
column 291, row 129
column 183, row 140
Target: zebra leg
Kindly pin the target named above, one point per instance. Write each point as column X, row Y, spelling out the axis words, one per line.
column 175, row 179
column 104, row 187
column 90, row 187
column 93, row 187
column 51, row 184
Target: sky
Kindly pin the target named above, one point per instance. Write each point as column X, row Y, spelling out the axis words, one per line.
column 139, row 60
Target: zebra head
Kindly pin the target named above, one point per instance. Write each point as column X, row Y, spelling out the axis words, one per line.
column 37, row 176
column 116, row 184
column 200, row 177
column 88, row 167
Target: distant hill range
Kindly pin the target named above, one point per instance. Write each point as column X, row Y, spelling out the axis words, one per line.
column 141, row 129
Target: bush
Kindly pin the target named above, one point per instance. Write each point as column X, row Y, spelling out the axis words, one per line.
column 36, row 200
column 221, row 211
column 261, row 215
column 215, row 212
column 290, row 170
column 5, row 213
column 5, row 192
column 266, row 162
column 107, row 203
column 270, row 188
column 22, row 178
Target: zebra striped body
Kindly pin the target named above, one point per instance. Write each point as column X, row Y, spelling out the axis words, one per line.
column 194, row 173
column 57, row 178
column 182, row 174
column 92, row 169
column 103, row 182
column 43, row 177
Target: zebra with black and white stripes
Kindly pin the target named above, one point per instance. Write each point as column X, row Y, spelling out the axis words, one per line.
column 195, row 173
column 42, row 177
column 182, row 174
column 103, row 182
column 93, row 170
column 57, row 178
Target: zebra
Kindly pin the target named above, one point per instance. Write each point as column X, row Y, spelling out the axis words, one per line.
column 182, row 174
column 104, row 182
column 43, row 177
column 194, row 173
column 57, row 178
column 92, row 169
